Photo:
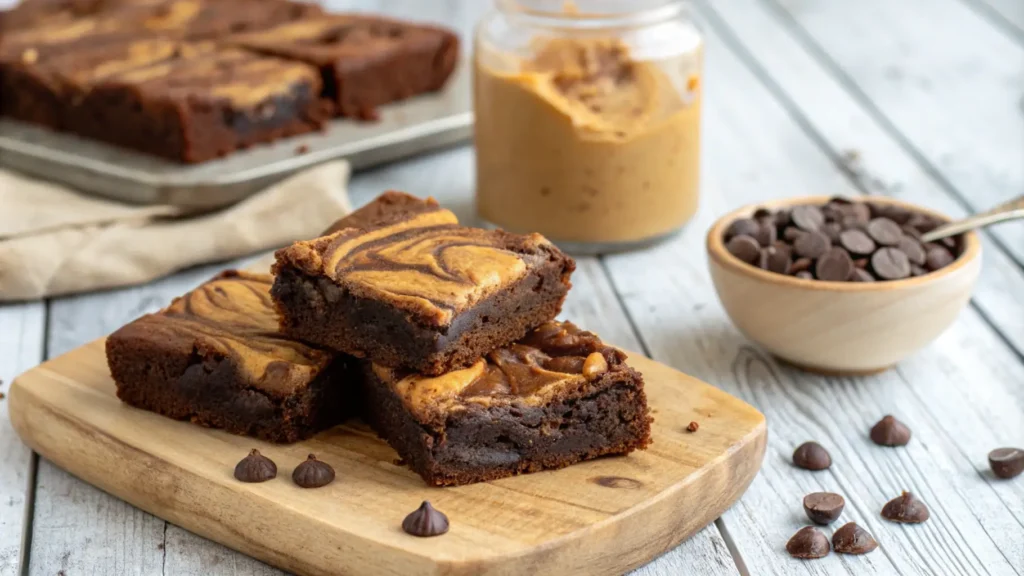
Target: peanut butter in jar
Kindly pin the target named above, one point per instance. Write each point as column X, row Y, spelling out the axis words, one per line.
column 587, row 124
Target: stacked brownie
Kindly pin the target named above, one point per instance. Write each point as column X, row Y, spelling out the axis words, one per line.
column 192, row 80
column 446, row 338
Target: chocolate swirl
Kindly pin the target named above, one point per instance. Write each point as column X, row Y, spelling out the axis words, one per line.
column 555, row 357
column 425, row 265
column 232, row 316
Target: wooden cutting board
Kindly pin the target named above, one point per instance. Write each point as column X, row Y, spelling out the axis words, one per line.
column 601, row 517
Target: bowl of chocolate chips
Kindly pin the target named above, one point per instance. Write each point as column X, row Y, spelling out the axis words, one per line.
column 840, row 286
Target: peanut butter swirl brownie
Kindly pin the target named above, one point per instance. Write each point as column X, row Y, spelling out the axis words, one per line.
column 420, row 293
column 554, row 398
column 216, row 357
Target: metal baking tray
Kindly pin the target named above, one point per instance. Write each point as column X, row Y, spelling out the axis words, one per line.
column 406, row 128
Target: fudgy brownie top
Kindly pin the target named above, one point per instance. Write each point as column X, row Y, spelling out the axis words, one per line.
column 205, row 72
column 554, row 361
column 391, row 206
column 348, row 39
column 232, row 317
column 427, row 265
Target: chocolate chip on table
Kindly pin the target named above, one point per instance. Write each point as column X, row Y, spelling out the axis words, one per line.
column 745, row 248
column 807, row 218
column 861, row 275
column 692, row 427
column 812, row 245
column 852, row 539
column 313, row 473
column 255, row 468
column 884, row 231
column 742, row 227
column 905, row 509
column 1006, row 462
column 425, row 521
column 890, row 432
column 913, row 249
column 937, row 257
column 811, row 456
column 857, row 242
column 808, row 543
column 890, row 264
column 834, row 266
column 823, row 507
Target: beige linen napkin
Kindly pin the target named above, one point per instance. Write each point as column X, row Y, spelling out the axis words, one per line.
column 55, row 241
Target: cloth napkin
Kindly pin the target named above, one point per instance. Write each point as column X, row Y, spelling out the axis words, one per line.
column 55, row 241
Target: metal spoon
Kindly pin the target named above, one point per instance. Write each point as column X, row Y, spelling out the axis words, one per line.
column 1007, row 211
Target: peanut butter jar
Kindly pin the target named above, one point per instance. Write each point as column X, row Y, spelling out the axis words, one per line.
column 587, row 124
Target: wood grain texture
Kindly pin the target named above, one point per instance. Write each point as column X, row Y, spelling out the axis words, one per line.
column 21, row 347
column 1008, row 14
column 599, row 517
column 961, row 395
column 957, row 103
column 871, row 156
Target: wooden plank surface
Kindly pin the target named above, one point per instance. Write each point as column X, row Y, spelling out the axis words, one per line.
column 875, row 159
column 21, row 347
column 1007, row 14
column 968, row 377
column 564, row 522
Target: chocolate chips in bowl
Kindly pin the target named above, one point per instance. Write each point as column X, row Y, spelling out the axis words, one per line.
column 841, row 241
column 840, row 286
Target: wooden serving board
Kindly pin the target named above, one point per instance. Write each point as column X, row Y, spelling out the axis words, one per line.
column 601, row 517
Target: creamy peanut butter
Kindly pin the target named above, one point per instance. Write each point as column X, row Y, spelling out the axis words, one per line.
column 582, row 143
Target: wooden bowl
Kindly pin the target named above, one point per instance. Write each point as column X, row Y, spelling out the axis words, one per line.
column 839, row 327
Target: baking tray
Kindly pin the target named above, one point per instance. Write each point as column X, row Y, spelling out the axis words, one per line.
column 410, row 127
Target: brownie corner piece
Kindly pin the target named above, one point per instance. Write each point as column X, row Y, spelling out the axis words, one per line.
column 557, row 397
column 215, row 357
column 422, row 293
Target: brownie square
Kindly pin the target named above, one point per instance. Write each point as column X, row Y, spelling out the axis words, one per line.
column 420, row 293
column 216, row 357
column 557, row 397
column 391, row 206
column 204, row 103
column 365, row 61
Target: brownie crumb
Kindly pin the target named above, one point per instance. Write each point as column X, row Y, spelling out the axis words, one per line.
column 2, row 396
column 692, row 427
column 302, row 149
column 160, row 546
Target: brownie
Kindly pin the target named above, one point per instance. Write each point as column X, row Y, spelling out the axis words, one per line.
column 556, row 397
column 391, row 206
column 365, row 61
column 420, row 293
column 216, row 357
column 204, row 103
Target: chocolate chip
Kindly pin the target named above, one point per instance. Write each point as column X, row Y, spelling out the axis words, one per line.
column 916, row 270
column 792, row 233
column 890, row 432
column 911, row 231
column 834, row 266
column 832, row 231
column 782, row 218
column 808, row 543
column 799, row 265
column 313, row 473
column 852, row 539
column 1006, row 462
column 762, row 213
column 857, row 242
column 766, row 234
column 812, row 245
column 745, row 248
column 742, row 227
column 860, row 212
column 861, row 275
column 808, row 218
column 890, row 264
column 255, row 468
column 905, row 509
column 885, row 232
column 861, row 263
column 692, row 427
column 913, row 249
column 823, row 507
column 425, row 521
column 937, row 257
column 811, row 456
column 804, row 274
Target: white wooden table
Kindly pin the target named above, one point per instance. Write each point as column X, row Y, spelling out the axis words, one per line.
column 918, row 99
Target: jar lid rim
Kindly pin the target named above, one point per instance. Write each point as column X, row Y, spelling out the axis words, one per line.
column 569, row 13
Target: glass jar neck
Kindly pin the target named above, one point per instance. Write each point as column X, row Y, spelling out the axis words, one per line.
column 592, row 13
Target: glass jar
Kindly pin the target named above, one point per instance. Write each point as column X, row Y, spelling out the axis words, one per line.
column 587, row 123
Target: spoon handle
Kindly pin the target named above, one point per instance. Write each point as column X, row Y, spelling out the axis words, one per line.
column 1007, row 211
